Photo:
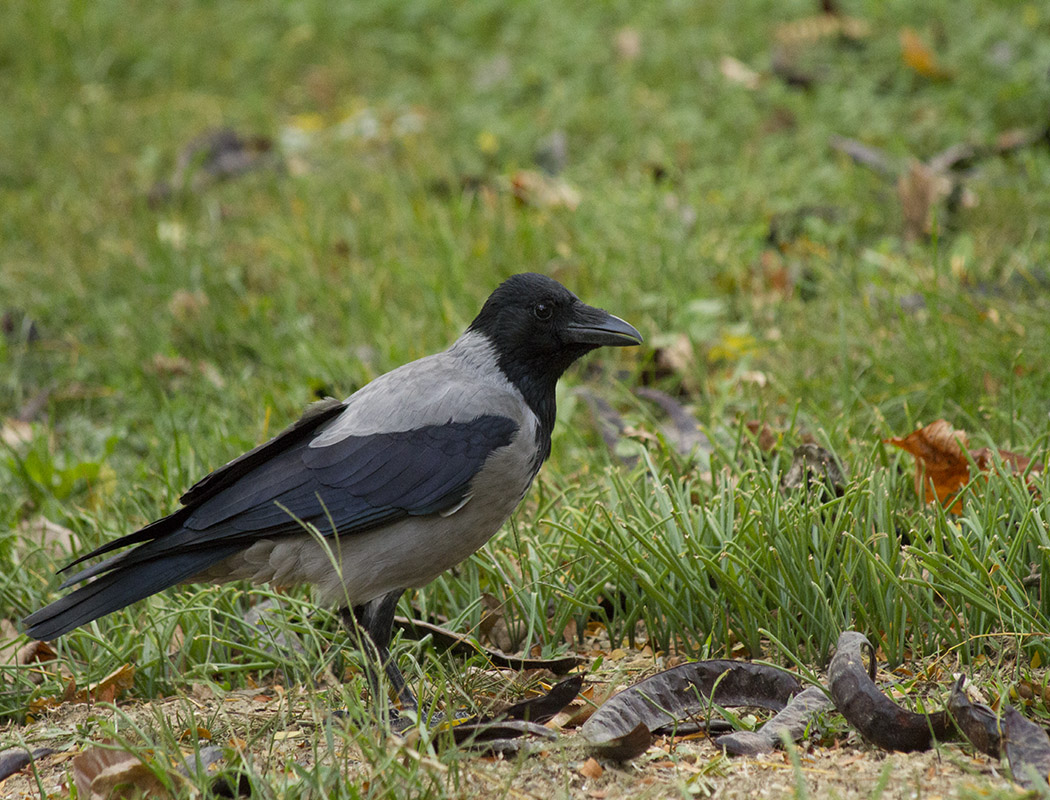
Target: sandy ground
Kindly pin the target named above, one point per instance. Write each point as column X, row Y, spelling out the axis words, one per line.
column 278, row 729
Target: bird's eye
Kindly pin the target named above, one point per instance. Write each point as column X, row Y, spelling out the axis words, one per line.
column 542, row 311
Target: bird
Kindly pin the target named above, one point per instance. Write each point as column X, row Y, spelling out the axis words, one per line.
column 368, row 497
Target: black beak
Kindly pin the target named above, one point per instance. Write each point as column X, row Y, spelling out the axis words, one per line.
column 593, row 326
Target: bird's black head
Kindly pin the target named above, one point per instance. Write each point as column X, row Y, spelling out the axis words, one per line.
column 538, row 328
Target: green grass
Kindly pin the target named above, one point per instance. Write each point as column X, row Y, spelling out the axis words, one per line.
column 173, row 338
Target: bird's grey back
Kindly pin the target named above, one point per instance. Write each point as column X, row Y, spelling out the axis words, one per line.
column 456, row 385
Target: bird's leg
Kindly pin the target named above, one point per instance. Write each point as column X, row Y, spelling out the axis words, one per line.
column 376, row 618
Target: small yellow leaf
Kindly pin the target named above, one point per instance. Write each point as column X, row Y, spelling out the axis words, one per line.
column 281, row 736
column 919, row 57
column 310, row 123
column 488, row 143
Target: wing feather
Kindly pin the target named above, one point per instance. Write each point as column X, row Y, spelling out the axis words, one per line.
column 380, row 478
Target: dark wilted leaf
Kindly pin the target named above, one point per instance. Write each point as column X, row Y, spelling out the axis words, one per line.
column 481, row 734
column 683, row 434
column 814, row 468
column 764, row 436
column 546, row 706
column 18, row 758
column 552, row 153
column 685, row 692
column 261, row 616
column 623, row 748
column 976, row 721
column 1026, row 747
column 794, row 720
column 444, row 639
column 879, row 720
column 611, row 426
column 865, row 155
column 18, row 327
column 214, row 156
column 498, row 733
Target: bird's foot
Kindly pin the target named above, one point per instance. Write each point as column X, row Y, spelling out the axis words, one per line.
column 401, row 721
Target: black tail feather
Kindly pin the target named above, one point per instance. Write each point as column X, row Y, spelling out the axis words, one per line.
column 119, row 588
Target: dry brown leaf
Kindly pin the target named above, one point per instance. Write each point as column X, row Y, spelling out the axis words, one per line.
column 570, row 633
column 492, row 628
column 107, row 689
column 792, row 39
column 15, row 432
column 543, row 191
column 941, row 461
column 45, row 533
column 28, row 653
column 175, row 367
column 920, row 58
column 736, row 71
column 628, row 44
column 178, row 639
column 104, row 774
column 8, row 640
column 809, row 30
column 591, row 769
column 676, row 357
column 186, row 306
column 765, row 437
column 920, row 189
column 33, row 652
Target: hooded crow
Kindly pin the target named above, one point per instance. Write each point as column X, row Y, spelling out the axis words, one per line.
column 382, row 492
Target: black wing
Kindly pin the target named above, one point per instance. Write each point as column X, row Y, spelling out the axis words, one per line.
column 315, row 415
column 350, row 486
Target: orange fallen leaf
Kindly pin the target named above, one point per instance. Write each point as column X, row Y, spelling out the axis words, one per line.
column 941, row 461
column 591, row 769
column 920, row 58
column 199, row 732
